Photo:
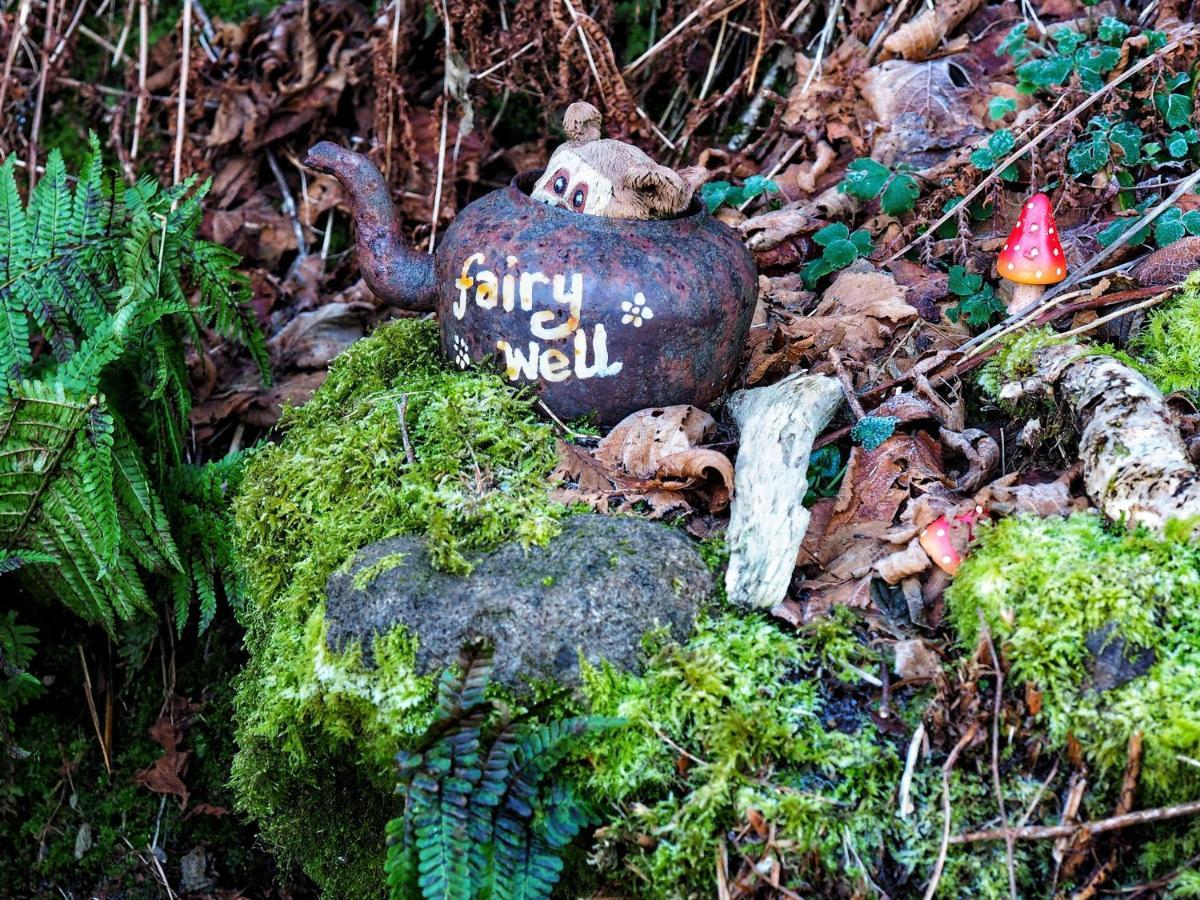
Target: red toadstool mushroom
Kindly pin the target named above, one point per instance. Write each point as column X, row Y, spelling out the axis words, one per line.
column 1032, row 256
column 935, row 541
column 938, row 541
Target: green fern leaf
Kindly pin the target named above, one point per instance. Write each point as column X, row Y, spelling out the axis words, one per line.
column 15, row 353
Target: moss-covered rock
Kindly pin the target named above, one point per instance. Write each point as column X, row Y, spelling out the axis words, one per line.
column 750, row 723
column 591, row 593
column 1106, row 625
column 317, row 730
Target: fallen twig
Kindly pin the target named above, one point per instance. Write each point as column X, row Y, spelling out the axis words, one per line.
column 1112, row 823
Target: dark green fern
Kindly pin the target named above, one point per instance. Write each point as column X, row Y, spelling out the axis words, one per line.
column 101, row 287
column 479, row 818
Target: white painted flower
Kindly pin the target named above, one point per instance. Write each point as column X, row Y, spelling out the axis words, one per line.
column 636, row 310
column 462, row 353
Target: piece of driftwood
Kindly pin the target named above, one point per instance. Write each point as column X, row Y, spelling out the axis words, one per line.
column 1135, row 465
column 768, row 519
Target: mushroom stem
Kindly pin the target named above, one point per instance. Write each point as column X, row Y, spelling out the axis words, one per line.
column 1024, row 296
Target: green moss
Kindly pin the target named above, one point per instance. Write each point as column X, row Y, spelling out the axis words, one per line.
column 1014, row 359
column 1044, row 585
column 1167, row 350
column 317, row 730
column 747, row 716
column 367, row 574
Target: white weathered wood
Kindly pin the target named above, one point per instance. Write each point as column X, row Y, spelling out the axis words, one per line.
column 1135, row 465
column 767, row 520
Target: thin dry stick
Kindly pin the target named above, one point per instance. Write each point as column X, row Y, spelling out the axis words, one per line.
column 181, row 113
column 91, row 702
column 997, row 708
column 402, row 412
column 139, row 109
column 1096, row 323
column 397, row 9
column 1042, row 135
column 17, row 35
column 40, row 103
column 967, row 737
column 126, row 27
column 1024, row 318
column 1112, row 823
column 847, row 385
column 674, row 32
column 441, row 169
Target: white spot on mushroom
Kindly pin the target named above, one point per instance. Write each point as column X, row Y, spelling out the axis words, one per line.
column 1037, row 274
column 978, row 509
column 946, row 560
column 1058, row 271
column 1016, row 246
column 1033, row 228
column 1056, row 251
column 1029, row 205
column 1033, row 252
column 1010, row 267
column 941, row 532
column 1005, row 247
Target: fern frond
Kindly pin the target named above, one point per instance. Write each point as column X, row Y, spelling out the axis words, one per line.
column 15, row 352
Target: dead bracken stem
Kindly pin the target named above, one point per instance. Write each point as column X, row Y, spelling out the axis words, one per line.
column 968, row 736
column 997, row 708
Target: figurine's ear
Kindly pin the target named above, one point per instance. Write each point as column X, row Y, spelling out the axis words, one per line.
column 660, row 189
column 694, row 177
column 582, row 121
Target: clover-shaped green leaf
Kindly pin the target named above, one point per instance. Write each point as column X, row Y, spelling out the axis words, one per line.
column 999, row 107
column 964, row 283
column 1175, row 108
column 865, row 178
column 1128, row 138
column 1112, row 30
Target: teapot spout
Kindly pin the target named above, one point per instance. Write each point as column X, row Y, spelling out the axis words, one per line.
column 397, row 274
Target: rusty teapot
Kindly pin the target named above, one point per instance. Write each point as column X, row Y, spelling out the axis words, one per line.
column 599, row 316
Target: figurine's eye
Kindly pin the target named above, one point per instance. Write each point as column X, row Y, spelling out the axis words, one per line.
column 579, row 197
column 560, row 181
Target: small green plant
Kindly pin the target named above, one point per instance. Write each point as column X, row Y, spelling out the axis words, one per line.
column 1167, row 349
column 977, row 302
column 871, row 431
column 867, row 179
column 999, row 107
column 839, row 249
column 98, row 278
column 825, row 471
column 17, row 645
column 998, row 146
column 479, row 818
column 721, row 193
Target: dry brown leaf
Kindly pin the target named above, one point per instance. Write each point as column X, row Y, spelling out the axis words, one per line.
column 918, row 38
column 165, row 776
column 897, row 566
column 641, row 439
column 916, row 659
column 923, row 114
column 857, row 314
column 1170, row 264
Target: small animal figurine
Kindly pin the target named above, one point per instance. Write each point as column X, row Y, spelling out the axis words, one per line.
column 605, row 177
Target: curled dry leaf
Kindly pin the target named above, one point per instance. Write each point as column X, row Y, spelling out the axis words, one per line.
column 982, row 454
column 897, row 566
column 918, row 38
column 641, row 439
column 650, row 456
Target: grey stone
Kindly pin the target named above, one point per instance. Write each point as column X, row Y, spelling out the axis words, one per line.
column 597, row 588
column 1114, row 661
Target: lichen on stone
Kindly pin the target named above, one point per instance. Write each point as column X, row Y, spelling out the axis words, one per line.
column 317, row 730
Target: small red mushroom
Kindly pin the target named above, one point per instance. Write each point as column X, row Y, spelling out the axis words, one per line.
column 935, row 541
column 1032, row 256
